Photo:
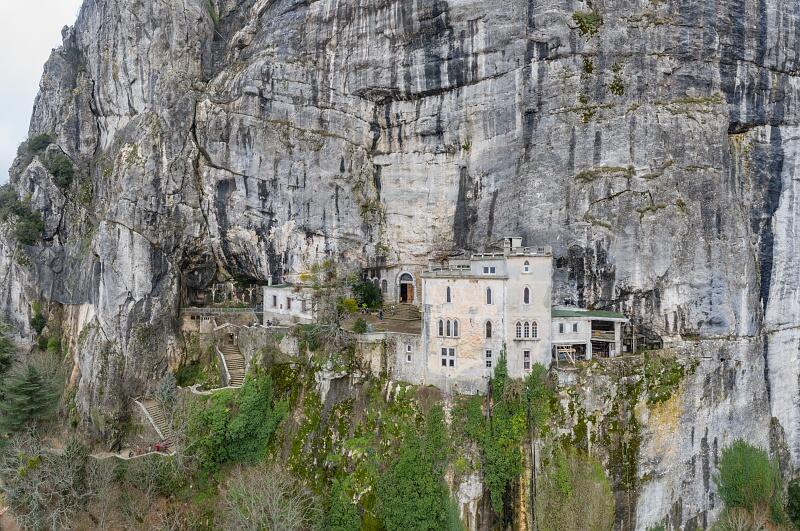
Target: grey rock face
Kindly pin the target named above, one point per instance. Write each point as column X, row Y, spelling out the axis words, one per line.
column 657, row 153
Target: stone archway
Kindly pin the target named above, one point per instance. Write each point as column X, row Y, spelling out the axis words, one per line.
column 407, row 288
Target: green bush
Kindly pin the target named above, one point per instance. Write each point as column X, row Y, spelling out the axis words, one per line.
column 749, row 479
column 28, row 225
column 573, row 494
column 235, row 426
column 368, row 294
column 793, row 502
column 342, row 513
column 53, row 345
column 412, row 494
column 60, row 167
column 37, row 144
column 38, row 322
column 588, row 22
column 360, row 326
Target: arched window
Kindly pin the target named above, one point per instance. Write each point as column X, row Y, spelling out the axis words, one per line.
column 455, row 328
column 448, row 297
column 448, row 328
column 376, row 283
column 519, row 330
column 441, row 328
column 526, row 267
column 406, row 277
column 488, row 295
column 527, row 327
column 488, row 329
column 384, row 286
column 534, row 329
column 526, row 295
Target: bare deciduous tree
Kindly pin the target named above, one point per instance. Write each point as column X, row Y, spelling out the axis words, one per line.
column 266, row 497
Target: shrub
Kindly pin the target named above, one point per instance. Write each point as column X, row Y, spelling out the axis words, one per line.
column 588, row 22
column 360, row 326
column 368, row 294
column 573, row 493
column 27, row 224
column 53, row 345
column 347, row 305
column 38, row 321
column 749, row 479
column 793, row 502
column 60, row 167
column 412, row 493
column 235, row 427
column 342, row 514
column 37, row 144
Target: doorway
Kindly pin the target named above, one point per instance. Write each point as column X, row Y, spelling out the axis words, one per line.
column 406, row 289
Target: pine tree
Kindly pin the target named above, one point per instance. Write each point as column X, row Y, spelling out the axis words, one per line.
column 29, row 397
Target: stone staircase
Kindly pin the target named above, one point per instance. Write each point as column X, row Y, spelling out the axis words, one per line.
column 156, row 414
column 403, row 312
column 235, row 363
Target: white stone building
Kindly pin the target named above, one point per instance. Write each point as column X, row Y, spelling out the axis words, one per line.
column 475, row 306
column 582, row 334
column 288, row 304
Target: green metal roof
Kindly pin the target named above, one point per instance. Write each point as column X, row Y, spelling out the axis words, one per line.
column 578, row 312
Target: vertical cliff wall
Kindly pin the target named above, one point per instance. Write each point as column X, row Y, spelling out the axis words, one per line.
column 653, row 144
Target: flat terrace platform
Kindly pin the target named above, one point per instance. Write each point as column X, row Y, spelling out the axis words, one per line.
column 386, row 325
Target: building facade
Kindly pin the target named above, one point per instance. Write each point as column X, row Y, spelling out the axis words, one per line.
column 583, row 334
column 476, row 307
column 288, row 304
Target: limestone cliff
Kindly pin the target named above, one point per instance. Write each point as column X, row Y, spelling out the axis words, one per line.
column 655, row 144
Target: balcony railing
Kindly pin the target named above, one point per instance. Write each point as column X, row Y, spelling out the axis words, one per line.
column 604, row 335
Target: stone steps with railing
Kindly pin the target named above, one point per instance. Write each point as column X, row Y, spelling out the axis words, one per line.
column 234, row 362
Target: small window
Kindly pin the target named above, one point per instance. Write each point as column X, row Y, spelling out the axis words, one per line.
column 384, row 286
column 288, row 303
column 449, row 329
column 519, row 330
column 526, row 267
column 526, row 360
column 488, row 295
column 441, row 328
column 448, row 357
column 303, row 306
column 574, row 327
column 489, row 270
column 489, row 359
column 274, row 301
column 408, row 358
column 534, row 329
column 408, row 348
column 448, row 297
column 560, row 328
column 488, row 329
column 526, row 295
column 455, row 328
column 406, row 277
column 527, row 328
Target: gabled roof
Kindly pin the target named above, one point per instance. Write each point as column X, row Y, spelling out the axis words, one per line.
column 590, row 314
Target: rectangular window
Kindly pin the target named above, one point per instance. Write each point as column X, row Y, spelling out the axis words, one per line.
column 448, row 357
column 408, row 358
column 574, row 327
column 489, row 359
column 408, row 348
column 560, row 328
column 288, row 303
column 526, row 360
column 489, row 270
column 303, row 305
column 274, row 301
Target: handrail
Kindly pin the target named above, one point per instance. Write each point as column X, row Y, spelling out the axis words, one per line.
column 203, row 311
column 224, row 366
column 150, row 418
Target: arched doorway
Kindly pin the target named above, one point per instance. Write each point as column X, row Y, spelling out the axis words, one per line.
column 406, row 282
